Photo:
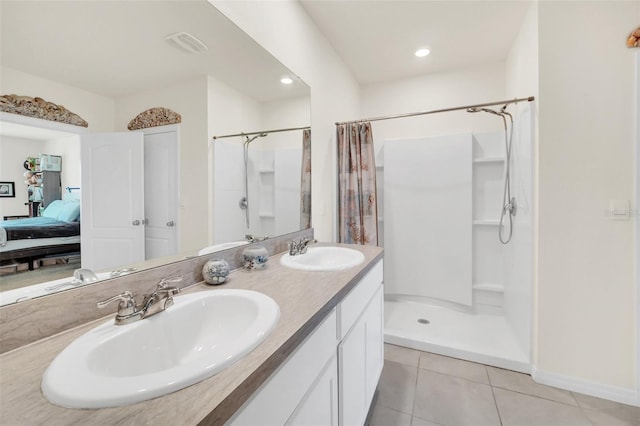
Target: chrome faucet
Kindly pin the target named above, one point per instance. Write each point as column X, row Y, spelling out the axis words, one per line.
column 253, row 238
column 300, row 246
column 157, row 301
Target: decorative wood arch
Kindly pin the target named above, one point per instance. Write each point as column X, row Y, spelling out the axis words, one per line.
column 634, row 38
column 154, row 117
column 39, row 108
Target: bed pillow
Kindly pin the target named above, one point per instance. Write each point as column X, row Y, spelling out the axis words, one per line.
column 70, row 212
column 53, row 209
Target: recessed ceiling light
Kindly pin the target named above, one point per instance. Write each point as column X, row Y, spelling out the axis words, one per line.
column 422, row 52
column 286, row 80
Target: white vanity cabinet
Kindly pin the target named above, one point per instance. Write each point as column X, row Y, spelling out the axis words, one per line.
column 330, row 379
column 303, row 389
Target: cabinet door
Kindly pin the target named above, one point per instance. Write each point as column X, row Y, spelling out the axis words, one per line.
column 374, row 341
column 351, row 374
column 320, row 404
column 360, row 357
column 112, row 230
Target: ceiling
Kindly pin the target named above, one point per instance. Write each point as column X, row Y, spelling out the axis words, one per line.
column 377, row 39
column 116, row 48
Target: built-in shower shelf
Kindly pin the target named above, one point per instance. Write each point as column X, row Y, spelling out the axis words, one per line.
column 266, row 171
column 489, row 160
column 485, row 222
column 498, row 288
column 266, row 214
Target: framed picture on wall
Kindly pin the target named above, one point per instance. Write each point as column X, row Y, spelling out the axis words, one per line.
column 7, row 189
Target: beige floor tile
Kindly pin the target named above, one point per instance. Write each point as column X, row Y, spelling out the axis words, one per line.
column 616, row 409
column 523, row 383
column 604, row 418
column 384, row 416
column 454, row 367
column 417, row 421
column 397, row 387
column 518, row 409
column 453, row 401
column 401, row 355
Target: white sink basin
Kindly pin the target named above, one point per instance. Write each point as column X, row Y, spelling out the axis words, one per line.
column 200, row 335
column 221, row 246
column 324, row 259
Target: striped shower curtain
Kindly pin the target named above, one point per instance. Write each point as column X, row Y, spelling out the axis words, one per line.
column 358, row 207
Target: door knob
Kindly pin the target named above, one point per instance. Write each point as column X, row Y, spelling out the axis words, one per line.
column 170, row 223
column 135, row 223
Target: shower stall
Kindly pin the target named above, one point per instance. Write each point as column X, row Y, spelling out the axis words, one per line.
column 457, row 232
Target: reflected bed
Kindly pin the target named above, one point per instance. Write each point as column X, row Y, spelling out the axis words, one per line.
column 56, row 232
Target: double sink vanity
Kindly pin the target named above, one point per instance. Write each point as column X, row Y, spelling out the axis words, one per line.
column 298, row 342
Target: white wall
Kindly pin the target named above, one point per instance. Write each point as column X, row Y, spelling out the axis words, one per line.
column 429, row 92
column 587, row 317
column 189, row 99
column 435, row 91
column 286, row 31
column 14, row 152
column 285, row 114
column 522, row 82
column 97, row 110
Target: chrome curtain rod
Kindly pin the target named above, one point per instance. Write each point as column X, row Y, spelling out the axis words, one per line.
column 265, row 131
column 413, row 114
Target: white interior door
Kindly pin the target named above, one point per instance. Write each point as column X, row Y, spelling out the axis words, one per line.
column 112, row 213
column 161, row 182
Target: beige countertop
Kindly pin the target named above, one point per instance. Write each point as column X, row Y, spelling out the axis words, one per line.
column 305, row 298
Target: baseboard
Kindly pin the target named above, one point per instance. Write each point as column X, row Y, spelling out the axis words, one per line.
column 574, row 384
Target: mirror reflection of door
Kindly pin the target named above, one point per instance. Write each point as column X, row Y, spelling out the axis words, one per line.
column 112, row 199
column 130, row 207
column 161, row 183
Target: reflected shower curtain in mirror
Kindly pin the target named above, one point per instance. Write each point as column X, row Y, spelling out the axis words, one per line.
column 358, row 207
column 305, row 186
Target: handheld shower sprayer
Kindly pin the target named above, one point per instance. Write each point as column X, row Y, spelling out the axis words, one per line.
column 244, row 201
column 508, row 202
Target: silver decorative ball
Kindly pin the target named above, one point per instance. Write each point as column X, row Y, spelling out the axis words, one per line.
column 215, row 271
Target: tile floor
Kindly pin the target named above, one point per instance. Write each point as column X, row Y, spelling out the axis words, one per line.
column 424, row 389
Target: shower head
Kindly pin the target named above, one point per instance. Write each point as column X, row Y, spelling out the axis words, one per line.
column 249, row 140
column 475, row 109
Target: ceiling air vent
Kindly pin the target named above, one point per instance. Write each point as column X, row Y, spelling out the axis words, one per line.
column 186, row 42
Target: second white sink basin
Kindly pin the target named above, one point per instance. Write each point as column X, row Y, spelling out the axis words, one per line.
column 200, row 335
column 324, row 259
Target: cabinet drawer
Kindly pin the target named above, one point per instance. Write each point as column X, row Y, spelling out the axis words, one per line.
column 358, row 298
column 277, row 398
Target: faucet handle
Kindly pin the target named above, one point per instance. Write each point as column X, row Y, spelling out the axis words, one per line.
column 127, row 303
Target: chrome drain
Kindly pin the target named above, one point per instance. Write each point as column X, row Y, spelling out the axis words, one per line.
column 423, row 321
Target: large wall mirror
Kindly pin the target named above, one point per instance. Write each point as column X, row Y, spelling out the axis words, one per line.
column 109, row 61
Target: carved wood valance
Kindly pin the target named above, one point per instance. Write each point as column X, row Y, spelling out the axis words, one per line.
column 39, row 108
column 634, row 38
column 154, row 117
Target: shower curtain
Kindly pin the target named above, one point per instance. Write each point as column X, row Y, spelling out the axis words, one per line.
column 305, row 185
column 358, row 207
